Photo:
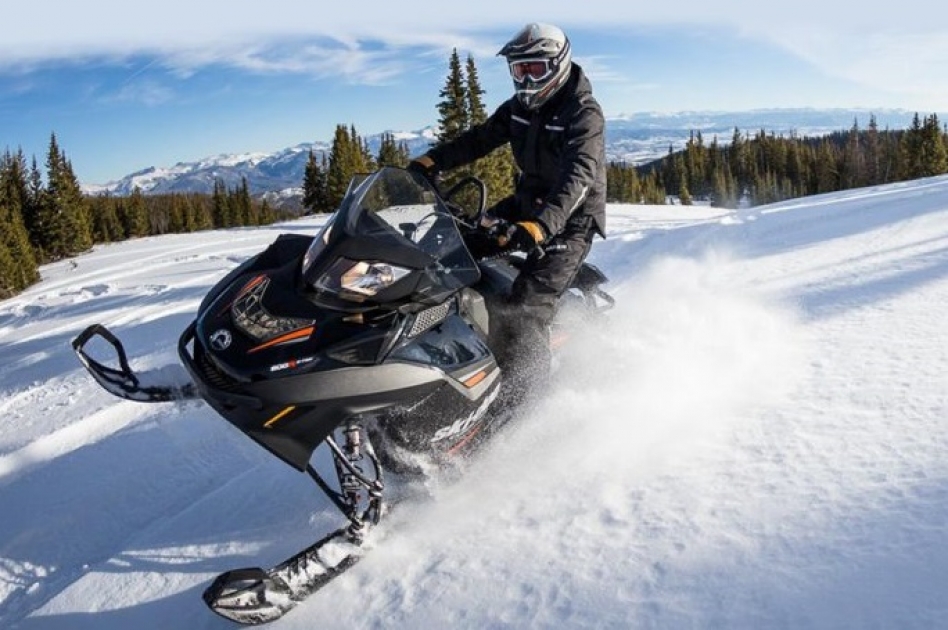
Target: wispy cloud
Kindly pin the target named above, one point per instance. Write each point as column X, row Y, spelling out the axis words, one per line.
column 147, row 92
column 47, row 29
column 356, row 62
column 888, row 56
column 901, row 49
column 601, row 69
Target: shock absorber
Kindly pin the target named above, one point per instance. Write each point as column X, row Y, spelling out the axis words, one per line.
column 361, row 492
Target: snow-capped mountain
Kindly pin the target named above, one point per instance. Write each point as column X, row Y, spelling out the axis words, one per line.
column 635, row 139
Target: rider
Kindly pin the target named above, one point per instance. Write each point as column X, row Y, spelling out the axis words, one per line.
column 555, row 128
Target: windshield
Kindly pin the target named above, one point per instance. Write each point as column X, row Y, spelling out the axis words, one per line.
column 389, row 225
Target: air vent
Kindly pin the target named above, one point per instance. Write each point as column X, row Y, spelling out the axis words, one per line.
column 429, row 317
column 215, row 377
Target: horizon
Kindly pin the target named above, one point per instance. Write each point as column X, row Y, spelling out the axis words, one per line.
column 123, row 94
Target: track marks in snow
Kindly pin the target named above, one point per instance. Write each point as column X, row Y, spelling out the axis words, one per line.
column 134, row 485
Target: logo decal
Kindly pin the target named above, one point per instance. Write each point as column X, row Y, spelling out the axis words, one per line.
column 291, row 364
column 220, row 339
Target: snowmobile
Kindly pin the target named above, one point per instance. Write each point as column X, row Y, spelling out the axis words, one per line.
column 372, row 339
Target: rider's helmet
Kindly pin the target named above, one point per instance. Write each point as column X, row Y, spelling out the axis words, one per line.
column 539, row 59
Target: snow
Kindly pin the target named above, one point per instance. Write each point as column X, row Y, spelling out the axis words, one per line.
column 756, row 439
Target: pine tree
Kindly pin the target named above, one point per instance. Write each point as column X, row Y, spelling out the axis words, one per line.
column 684, row 196
column 911, row 149
column 201, row 212
column 221, row 215
column 364, row 161
column 497, row 168
column 315, row 194
column 339, row 174
column 852, row 169
column 267, row 216
column 33, row 214
column 190, row 218
column 65, row 214
column 670, row 172
column 176, row 214
column 622, row 184
column 8, row 269
column 244, row 212
column 390, row 153
column 737, row 159
column 873, row 154
column 133, row 214
column 454, row 117
column 106, row 226
column 347, row 158
column 695, row 163
column 827, row 173
column 934, row 153
column 18, row 266
column 653, row 189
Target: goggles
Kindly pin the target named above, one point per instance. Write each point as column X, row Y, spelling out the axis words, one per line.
column 532, row 69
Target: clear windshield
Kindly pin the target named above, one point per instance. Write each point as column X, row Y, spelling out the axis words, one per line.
column 391, row 212
column 394, row 202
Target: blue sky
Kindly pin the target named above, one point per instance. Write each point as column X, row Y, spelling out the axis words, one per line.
column 125, row 86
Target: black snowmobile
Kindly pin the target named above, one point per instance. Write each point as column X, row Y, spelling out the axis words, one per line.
column 372, row 338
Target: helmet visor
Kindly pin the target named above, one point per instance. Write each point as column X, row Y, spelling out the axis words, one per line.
column 530, row 69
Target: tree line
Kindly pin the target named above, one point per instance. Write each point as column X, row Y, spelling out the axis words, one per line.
column 765, row 168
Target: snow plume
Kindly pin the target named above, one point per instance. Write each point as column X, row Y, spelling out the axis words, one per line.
column 687, row 355
column 687, row 352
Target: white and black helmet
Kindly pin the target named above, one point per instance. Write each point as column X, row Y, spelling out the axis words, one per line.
column 539, row 59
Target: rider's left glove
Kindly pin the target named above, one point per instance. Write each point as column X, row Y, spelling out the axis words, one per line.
column 523, row 236
column 426, row 167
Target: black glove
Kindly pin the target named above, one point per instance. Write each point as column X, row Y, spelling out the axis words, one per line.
column 523, row 236
column 426, row 167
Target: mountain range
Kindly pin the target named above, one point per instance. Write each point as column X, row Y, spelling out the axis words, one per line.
column 634, row 138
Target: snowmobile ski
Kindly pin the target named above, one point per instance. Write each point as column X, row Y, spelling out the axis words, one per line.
column 169, row 384
column 254, row 596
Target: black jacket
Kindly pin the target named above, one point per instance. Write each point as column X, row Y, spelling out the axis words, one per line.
column 559, row 149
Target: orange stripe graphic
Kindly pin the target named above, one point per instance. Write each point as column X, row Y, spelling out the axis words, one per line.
column 290, row 336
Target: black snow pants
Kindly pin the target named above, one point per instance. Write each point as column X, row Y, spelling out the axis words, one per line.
column 523, row 350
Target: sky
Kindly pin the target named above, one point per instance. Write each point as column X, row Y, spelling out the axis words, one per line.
column 754, row 438
column 126, row 85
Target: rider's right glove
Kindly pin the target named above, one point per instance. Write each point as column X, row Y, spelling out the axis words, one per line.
column 426, row 167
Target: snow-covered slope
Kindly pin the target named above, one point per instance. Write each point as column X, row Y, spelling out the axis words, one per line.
column 756, row 440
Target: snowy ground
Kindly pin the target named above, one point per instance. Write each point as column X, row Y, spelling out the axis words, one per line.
column 757, row 440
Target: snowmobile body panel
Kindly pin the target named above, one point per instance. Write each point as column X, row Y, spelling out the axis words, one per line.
column 440, row 375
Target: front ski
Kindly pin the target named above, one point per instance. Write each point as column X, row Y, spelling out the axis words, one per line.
column 168, row 384
column 255, row 596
